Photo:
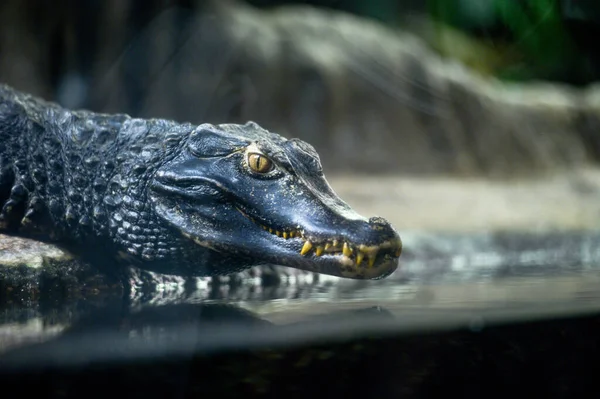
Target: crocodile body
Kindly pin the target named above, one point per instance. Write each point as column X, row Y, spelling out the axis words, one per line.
column 178, row 198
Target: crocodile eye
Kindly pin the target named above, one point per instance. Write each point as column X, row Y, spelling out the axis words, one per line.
column 259, row 163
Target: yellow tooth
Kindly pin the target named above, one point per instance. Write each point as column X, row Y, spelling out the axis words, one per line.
column 292, row 234
column 346, row 250
column 278, row 233
column 327, row 246
column 319, row 250
column 371, row 257
column 285, row 235
column 335, row 243
column 359, row 257
column 398, row 252
column 305, row 248
column 270, row 230
column 265, row 227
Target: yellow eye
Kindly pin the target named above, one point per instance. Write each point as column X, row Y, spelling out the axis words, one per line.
column 259, row 163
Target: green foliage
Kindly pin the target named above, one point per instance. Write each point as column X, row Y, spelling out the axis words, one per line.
column 538, row 32
column 537, row 35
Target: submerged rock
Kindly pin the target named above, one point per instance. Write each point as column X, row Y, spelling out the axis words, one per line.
column 31, row 269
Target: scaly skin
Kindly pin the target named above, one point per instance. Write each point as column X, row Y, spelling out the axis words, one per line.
column 177, row 198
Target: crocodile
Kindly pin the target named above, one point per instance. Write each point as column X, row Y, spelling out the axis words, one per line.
column 177, row 198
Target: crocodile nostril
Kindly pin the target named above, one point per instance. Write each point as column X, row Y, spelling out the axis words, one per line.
column 378, row 223
column 377, row 220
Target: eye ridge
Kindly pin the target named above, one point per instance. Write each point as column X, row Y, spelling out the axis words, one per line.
column 259, row 163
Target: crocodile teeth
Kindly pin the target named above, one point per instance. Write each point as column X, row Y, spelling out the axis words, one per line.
column 359, row 258
column 319, row 251
column 371, row 258
column 336, row 243
column 282, row 233
column 306, row 248
column 346, row 250
column 327, row 246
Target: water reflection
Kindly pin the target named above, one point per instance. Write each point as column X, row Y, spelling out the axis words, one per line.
column 227, row 351
column 463, row 313
column 445, row 279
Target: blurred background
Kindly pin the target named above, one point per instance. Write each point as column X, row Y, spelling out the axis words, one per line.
column 490, row 90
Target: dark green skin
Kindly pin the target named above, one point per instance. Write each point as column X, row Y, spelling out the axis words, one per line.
column 173, row 198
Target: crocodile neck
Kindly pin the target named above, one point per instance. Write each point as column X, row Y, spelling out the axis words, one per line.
column 81, row 180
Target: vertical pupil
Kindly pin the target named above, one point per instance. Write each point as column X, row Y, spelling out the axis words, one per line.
column 259, row 163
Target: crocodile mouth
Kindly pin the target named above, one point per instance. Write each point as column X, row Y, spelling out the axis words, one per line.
column 346, row 252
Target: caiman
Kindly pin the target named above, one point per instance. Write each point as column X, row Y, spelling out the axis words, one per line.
column 177, row 198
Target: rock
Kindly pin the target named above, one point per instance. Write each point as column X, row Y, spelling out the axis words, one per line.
column 30, row 270
column 370, row 98
column 22, row 252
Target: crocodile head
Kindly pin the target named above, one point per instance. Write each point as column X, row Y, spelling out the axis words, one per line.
column 241, row 191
